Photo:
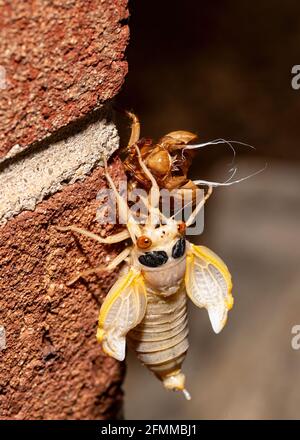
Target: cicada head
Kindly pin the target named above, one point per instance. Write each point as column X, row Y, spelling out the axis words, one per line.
column 159, row 252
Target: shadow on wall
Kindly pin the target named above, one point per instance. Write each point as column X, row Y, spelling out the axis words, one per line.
column 222, row 69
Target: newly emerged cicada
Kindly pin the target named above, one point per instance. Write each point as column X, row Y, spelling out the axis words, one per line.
column 147, row 306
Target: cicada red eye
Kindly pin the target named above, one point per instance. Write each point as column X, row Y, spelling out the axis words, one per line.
column 144, row 242
column 181, row 228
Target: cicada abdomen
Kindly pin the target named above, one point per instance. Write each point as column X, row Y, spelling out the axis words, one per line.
column 161, row 339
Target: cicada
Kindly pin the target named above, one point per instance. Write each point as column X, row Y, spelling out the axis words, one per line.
column 147, row 306
column 168, row 159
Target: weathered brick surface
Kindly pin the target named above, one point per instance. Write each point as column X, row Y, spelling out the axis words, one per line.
column 62, row 60
column 53, row 366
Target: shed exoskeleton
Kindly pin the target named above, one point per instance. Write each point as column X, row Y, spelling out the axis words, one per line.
column 147, row 304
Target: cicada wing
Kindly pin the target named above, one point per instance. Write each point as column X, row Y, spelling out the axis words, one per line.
column 123, row 308
column 208, row 284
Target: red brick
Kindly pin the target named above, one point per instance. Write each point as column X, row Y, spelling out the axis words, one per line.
column 53, row 367
column 62, row 60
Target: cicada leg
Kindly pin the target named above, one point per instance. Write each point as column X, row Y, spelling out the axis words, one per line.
column 135, row 128
column 112, row 265
column 116, row 238
column 124, row 211
column 193, row 215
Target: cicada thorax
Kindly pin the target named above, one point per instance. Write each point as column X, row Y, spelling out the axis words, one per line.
column 161, row 339
column 166, row 279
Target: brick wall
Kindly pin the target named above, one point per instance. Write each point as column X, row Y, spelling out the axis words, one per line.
column 61, row 65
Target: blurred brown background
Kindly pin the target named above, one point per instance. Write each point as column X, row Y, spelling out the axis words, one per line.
column 223, row 69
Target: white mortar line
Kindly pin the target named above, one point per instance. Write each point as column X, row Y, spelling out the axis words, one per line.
column 26, row 181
